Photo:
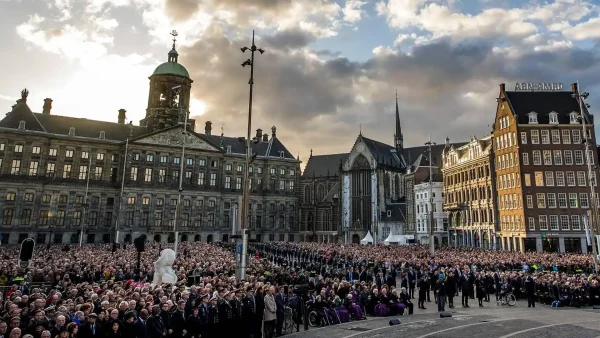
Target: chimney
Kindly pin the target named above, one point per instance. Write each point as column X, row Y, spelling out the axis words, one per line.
column 502, row 87
column 574, row 88
column 273, row 132
column 208, row 127
column 259, row 134
column 265, row 137
column 47, row 106
column 122, row 116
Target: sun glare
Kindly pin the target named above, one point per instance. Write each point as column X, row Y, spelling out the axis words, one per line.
column 197, row 107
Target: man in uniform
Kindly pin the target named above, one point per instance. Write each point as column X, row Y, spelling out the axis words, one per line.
column 213, row 319
column 248, row 311
column 225, row 316
column 236, row 307
column 203, row 314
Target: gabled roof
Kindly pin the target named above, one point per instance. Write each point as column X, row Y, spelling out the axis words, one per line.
column 411, row 154
column 60, row 125
column 543, row 103
column 271, row 148
column 324, row 165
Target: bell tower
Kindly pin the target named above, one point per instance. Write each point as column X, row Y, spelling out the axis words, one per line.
column 169, row 95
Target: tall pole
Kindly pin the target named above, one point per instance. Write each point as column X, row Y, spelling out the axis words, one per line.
column 431, row 232
column 85, row 199
column 246, row 190
column 122, row 190
column 180, row 190
column 593, row 216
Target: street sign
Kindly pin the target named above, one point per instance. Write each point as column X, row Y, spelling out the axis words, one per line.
column 239, row 249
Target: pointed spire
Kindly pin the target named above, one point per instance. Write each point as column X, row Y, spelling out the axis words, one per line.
column 310, row 152
column 398, row 137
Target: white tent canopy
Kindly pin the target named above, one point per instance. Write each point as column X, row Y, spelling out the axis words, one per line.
column 368, row 239
column 397, row 239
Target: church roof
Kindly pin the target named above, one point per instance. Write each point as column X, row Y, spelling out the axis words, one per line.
column 385, row 154
column 324, row 165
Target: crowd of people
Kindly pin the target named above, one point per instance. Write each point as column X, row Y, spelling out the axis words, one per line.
column 97, row 291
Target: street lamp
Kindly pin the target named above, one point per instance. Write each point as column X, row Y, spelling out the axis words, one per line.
column 249, row 157
column 593, row 216
column 431, row 233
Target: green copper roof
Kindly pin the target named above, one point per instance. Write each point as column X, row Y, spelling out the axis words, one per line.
column 171, row 68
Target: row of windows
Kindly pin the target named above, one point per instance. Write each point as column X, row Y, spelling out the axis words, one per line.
column 467, row 175
column 145, row 219
column 145, row 200
column 556, row 156
column 559, row 178
column 555, row 136
column 423, row 225
column 163, row 159
column 553, row 118
column 561, row 200
column 545, row 223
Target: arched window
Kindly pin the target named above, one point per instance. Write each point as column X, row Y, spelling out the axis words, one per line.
column 307, row 194
column 321, row 193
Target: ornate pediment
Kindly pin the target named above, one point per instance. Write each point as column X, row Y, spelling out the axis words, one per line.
column 174, row 138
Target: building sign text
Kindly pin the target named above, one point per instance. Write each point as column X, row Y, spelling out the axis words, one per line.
column 540, row 86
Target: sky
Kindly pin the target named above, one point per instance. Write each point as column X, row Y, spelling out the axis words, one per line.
column 330, row 70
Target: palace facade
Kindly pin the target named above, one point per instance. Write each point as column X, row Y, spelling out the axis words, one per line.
column 64, row 177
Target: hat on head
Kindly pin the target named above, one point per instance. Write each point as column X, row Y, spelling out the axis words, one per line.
column 441, row 275
column 93, row 315
column 213, row 298
column 181, row 301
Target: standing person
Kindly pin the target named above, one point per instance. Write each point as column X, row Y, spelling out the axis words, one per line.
column 259, row 300
column 422, row 285
column 466, row 289
column 530, row 290
column 440, row 291
column 270, row 313
column 450, row 289
column 155, row 326
column 480, row 289
column 412, row 279
column 280, row 313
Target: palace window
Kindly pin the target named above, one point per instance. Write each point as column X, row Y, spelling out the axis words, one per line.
column 553, row 118
column 533, row 118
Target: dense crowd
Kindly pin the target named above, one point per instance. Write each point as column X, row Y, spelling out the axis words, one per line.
column 96, row 291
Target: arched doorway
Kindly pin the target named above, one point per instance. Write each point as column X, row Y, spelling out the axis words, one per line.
column 486, row 240
column 157, row 238
column 171, row 238
column 209, row 239
column 355, row 239
column 184, row 238
column 128, row 238
column 197, row 238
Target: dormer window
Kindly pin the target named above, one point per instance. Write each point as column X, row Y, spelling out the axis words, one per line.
column 574, row 118
column 281, row 154
column 72, row 131
column 553, row 118
column 229, row 149
column 533, row 118
column 102, row 134
column 21, row 125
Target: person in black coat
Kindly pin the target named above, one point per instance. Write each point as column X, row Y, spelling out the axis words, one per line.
column 422, row 285
column 140, row 324
column 178, row 317
column 530, row 290
column 155, row 326
column 450, row 289
column 466, row 289
column 259, row 301
column 280, row 312
column 90, row 329
column 193, row 324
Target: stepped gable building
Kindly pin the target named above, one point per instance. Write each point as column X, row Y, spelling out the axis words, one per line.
column 369, row 189
column 542, row 178
column 470, row 193
column 61, row 176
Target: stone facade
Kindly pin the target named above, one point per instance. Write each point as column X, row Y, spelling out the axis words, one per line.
column 63, row 177
column 470, row 194
column 425, row 198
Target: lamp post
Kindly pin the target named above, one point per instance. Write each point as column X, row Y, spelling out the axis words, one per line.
column 246, row 191
column 593, row 216
column 184, row 134
column 118, row 218
column 85, row 199
column 431, row 233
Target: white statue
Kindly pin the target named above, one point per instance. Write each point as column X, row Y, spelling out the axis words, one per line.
column 163, row 271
